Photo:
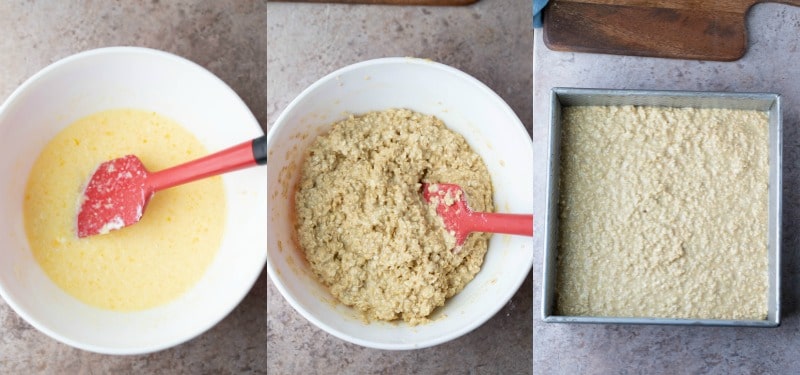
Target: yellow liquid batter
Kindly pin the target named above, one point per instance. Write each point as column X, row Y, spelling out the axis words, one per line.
column 141, row 266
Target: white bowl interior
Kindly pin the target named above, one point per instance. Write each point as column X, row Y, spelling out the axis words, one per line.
column 466, row 106
column 127, row 77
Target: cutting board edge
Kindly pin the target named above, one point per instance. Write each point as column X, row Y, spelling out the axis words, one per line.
column 443, row 3
column 556, row 45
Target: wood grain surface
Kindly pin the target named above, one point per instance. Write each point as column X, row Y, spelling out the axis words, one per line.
column 683, row 29
column 392, row 2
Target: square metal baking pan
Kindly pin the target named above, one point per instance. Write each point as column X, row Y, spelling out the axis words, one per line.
column 770, row 103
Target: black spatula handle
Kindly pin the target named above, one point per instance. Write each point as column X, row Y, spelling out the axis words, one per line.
column 260, row 150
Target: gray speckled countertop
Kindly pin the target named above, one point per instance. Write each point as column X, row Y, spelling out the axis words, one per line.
column 770, row 65
column 490, row 40
column 226, row 37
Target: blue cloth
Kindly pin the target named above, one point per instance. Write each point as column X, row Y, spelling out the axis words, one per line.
column 538, row 5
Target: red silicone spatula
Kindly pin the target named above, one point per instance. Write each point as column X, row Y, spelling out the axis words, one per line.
column 118, row 191
column 451, row 205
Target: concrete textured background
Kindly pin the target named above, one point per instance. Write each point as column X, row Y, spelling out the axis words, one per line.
column 490, row 40
column 226, row 37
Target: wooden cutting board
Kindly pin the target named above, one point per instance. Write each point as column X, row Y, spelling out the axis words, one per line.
column 682, row 29
column 393, row 2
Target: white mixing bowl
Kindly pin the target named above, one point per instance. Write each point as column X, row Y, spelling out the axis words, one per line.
column 466, row 106
column 127, row 77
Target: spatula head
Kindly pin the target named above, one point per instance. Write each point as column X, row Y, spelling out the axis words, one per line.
column 451, row 206
column 114, row 197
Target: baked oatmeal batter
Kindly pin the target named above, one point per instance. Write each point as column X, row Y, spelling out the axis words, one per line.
column 361, row 220
column 663, row 213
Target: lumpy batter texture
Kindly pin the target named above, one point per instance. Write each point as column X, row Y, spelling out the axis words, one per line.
column 663, row 213
column 141, row 266
column 364, row 226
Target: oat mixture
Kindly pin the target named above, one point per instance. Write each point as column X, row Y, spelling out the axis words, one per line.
column 361, row 220
column 663, row 213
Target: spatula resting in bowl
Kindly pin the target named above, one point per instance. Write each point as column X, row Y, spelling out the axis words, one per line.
column 118, row 191
column 460, row 220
